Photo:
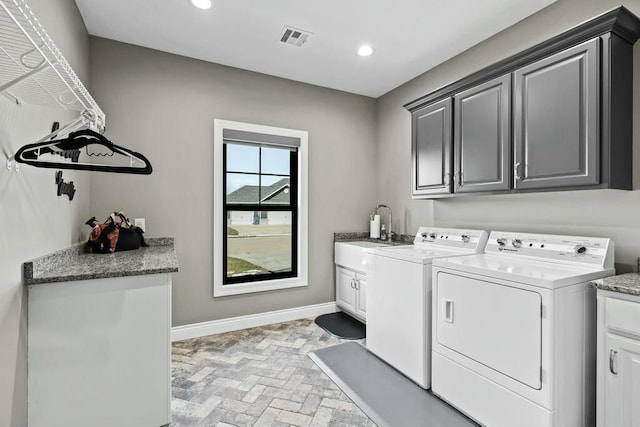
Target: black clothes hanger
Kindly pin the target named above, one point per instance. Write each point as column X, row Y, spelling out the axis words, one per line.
column 30, row 154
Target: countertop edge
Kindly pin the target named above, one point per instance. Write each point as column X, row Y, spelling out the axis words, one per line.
column 78, row 277
column 46, row 269
column 628, row 283
column 401, row 239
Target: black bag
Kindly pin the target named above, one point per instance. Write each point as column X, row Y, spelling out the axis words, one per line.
column 114, row 236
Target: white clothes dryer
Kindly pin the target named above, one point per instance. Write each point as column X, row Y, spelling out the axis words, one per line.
column 399, row 297
column 514, row 329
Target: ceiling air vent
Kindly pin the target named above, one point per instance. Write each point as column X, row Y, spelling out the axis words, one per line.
column 293, row 36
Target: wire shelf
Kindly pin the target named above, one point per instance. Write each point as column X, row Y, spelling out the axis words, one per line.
column 32, row 68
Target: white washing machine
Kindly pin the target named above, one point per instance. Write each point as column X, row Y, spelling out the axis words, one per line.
column 399, row 297
column 514, row 330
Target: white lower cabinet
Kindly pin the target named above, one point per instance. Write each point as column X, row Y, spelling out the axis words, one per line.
column 618, row 360
column 622, row 384
column 351, row 280
column 351, row 292
column 100, row 352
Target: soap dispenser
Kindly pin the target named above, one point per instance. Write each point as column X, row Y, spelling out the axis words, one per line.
column 383, row 232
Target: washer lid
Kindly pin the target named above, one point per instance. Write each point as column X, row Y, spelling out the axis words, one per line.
column 415, row 253
column 544, row 274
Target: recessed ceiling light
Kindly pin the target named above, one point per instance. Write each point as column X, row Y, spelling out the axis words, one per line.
column 201, row 4
column 365, row 50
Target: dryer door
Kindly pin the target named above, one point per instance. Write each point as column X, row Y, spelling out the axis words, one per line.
column 496, row 325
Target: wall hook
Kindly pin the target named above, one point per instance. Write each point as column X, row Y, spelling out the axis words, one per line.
column 12, row 164
column 67, row 188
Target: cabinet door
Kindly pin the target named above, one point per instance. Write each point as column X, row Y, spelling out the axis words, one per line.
column 345, row 289
column 482, row 144
column 556, row 120
column 102, row 347
column 622, row 392
column 361, row 281
column 431, row 149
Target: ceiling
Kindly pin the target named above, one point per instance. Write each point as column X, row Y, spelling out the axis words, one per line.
column 408, row 36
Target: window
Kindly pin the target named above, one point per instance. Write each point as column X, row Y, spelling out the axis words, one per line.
column 260, row 211
column 261, row 214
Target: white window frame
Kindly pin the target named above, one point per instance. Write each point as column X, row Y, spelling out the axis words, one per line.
column 302, row 278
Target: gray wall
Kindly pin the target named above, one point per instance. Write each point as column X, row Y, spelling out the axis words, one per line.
column 34, row 221
column 163, row 106
column 592, row 213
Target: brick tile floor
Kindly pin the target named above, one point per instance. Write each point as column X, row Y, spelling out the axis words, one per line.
column 258, row 377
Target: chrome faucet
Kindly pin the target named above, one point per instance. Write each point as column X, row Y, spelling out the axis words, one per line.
column 375, row 211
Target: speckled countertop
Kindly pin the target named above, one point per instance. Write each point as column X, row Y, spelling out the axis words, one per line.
column 402, row 239
column 75, row 263
column 628, row 283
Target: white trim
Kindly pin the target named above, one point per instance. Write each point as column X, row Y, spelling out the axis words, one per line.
column 220, row 290
column 196, row 330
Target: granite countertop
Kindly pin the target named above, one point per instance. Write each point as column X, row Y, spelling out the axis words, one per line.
column 75, row 263
column 398, row 240
column 628, row 283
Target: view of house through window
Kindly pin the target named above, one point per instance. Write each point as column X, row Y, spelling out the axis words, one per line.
column 260, row 210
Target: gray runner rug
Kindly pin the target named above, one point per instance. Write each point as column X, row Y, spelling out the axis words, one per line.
column 385, row 395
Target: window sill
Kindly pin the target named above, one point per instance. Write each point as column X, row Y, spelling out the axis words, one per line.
column 220, row 290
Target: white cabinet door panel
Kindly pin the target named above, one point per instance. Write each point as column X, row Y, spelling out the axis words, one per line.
column 622, row 387
column 99, row 352
column 498, row 326
column 345, row 292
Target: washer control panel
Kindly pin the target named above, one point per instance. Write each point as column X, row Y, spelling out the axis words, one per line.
column 452, row 237
column 583, row 250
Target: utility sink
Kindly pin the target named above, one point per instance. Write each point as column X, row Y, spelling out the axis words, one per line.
column 352, row 255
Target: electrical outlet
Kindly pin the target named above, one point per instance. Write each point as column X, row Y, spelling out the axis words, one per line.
column 140, row 222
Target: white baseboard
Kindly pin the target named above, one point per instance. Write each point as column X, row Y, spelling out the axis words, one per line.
column 195, row 330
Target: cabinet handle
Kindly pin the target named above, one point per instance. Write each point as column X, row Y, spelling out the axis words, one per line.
column 352, row 285
column 612, row 356
column 356, row 283
column 516, row 171
column 447, row 310
column 446, row 178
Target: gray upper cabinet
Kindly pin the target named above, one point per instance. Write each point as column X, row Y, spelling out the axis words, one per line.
column 556, row 127
column 557, row 116
column 482, row 143
column 431, row 149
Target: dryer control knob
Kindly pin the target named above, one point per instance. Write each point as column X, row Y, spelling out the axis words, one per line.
column 501, row 241
column 580, row 249
column 465, row 238
column 516, row 243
